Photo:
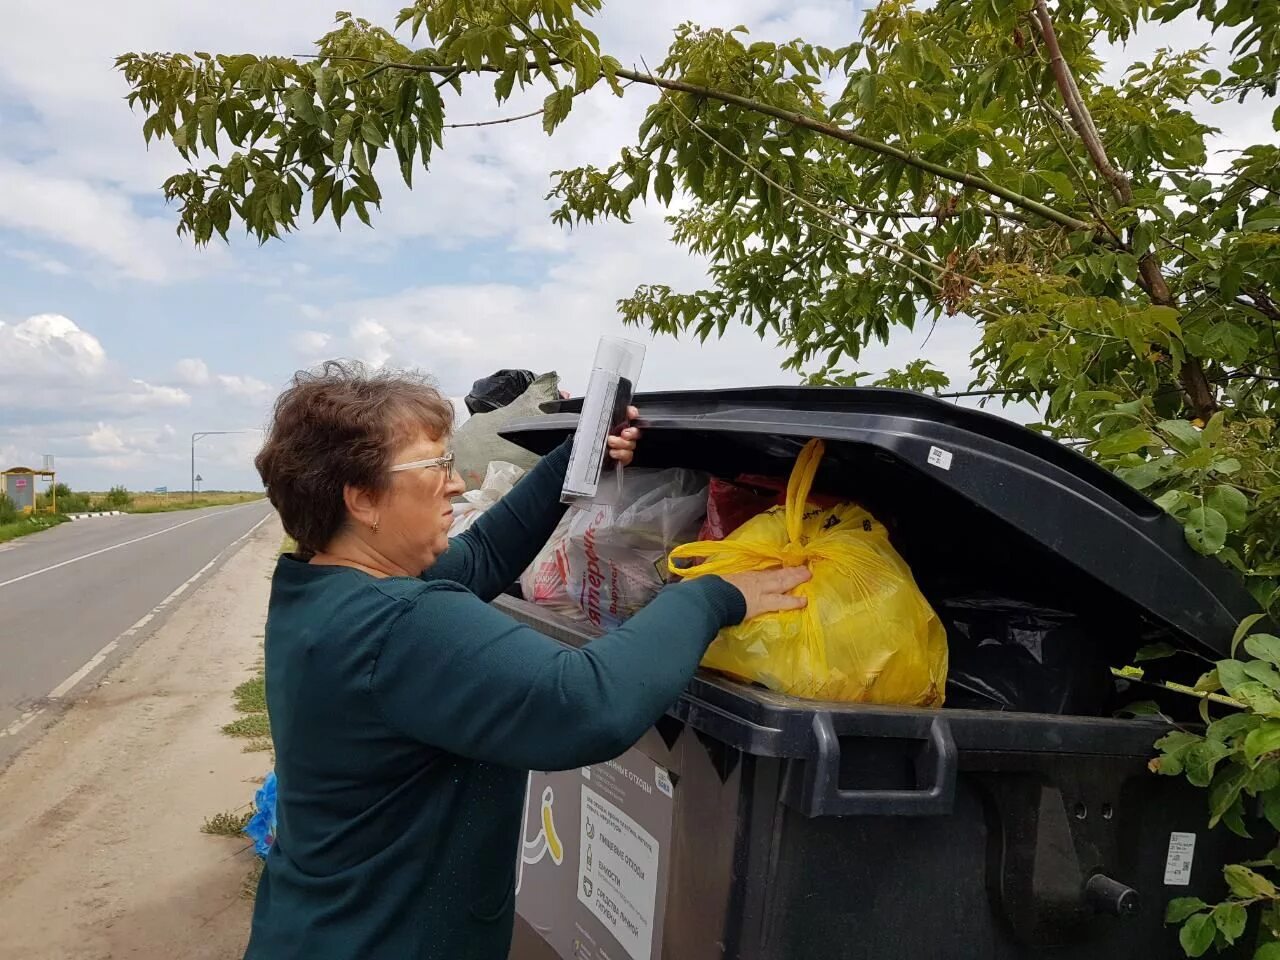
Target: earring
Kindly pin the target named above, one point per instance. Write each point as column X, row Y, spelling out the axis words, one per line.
column 375, row 526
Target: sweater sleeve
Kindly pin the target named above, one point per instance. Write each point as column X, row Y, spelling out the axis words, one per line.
column 497, row 548
column 462, row 676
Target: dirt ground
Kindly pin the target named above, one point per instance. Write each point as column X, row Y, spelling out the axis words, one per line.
column 101, row 854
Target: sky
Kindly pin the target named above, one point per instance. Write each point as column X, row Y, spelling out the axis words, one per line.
column 118, row 339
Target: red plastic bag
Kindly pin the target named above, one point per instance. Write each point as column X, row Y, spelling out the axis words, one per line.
column 731, row 503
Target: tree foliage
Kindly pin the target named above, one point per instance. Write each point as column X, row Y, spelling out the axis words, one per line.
column 964, row 159
column 959, row 160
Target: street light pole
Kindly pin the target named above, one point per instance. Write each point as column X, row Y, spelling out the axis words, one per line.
column 209, row 433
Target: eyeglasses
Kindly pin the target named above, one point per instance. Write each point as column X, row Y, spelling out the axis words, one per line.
column 446, row 461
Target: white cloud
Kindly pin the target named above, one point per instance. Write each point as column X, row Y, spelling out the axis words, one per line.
column 148, row 395
column 49, row 343
column 41, row 262
column 98, row 220
column 105, row 439
column 369, row 341
column 192, row 370
column 311, row 341
column 240, row 386
column 50, row 368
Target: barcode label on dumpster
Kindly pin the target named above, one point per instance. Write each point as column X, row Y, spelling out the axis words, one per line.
column 1177, row 866
column 940, row 458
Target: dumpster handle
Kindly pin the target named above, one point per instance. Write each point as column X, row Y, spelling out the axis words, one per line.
column 821, row 794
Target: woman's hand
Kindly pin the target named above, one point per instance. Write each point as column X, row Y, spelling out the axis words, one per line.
column 622, row 447
column 767, row 591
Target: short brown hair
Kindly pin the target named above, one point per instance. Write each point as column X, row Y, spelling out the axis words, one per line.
column 339, row 425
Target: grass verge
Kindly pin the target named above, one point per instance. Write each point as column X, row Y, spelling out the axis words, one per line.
column 253, row 726
column 228, row 824
column 167, row 503
column 20, row 528
column 249, row 726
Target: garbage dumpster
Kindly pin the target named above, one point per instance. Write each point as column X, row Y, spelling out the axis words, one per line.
column 751, row 826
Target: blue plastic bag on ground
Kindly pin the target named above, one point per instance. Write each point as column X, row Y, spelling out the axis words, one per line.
column 262, row 828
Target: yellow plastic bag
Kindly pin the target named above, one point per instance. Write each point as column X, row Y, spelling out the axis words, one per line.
column 867, row 635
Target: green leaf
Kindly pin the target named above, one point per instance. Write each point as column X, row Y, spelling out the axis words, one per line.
column 663, row 185
column 1209, row 682
column 1264, row 646
column 1060, row 183
column 555, row 108
column 336, row 203
column 1180, row 908
column 1243, row 629
column 1264, row 673
column 369, row 130
column 1213, row 429
column 1173, row 749
column 1258, row 697
column 1268, row 951
column 1227, row 466
column 1211, row 77
column 1206, row 530
column 1155, row 651
column 1271, row 807
column 1182, row 435
column 1197, row 934
column 341, row 136
column 1201, row 760
column 320, row 194
column 1231, row 503
column 1247, row 884
column 1145, row 474
column 1264, row 740
column 1230, row 919
column 1231, row 674
column 1233, row 725
column 1126, row 441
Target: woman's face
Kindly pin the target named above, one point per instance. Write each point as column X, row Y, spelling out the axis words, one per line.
column 416, row 511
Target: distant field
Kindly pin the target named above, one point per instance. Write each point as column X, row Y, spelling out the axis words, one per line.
column 141, row 503
column 164, row 502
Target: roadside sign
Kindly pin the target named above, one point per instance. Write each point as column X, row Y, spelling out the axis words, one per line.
column 162, row 490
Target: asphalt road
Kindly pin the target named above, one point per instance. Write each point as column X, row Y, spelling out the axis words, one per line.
column 75, row 598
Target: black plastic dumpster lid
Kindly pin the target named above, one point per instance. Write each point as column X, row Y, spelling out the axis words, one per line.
column 973, row 501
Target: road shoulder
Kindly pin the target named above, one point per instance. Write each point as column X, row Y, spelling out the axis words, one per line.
column 100, row 850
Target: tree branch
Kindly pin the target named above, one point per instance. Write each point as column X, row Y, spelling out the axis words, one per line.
column 493, row 123
column 1195, row 384
column 940, row 213
column 806, row 122
column 1081, row 119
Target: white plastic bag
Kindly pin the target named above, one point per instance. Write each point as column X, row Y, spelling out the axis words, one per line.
column 545, row 582
column 499, row 479
column 614, row 557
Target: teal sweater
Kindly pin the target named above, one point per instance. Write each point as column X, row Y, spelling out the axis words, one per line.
column 406, row 713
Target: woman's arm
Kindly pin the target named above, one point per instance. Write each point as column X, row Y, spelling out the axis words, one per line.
column 496, row 549
column 462, row 676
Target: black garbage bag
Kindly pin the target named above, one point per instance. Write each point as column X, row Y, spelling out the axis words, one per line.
column 497, row 390
column 1009, row 655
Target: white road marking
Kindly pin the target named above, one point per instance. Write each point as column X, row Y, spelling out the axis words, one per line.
column 117, row 546
column 69, row 684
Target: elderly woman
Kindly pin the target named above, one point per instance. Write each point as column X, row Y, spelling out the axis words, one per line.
column 405, row 710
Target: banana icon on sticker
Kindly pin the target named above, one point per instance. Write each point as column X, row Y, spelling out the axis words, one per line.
column 547, row 841
column 554, row 846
